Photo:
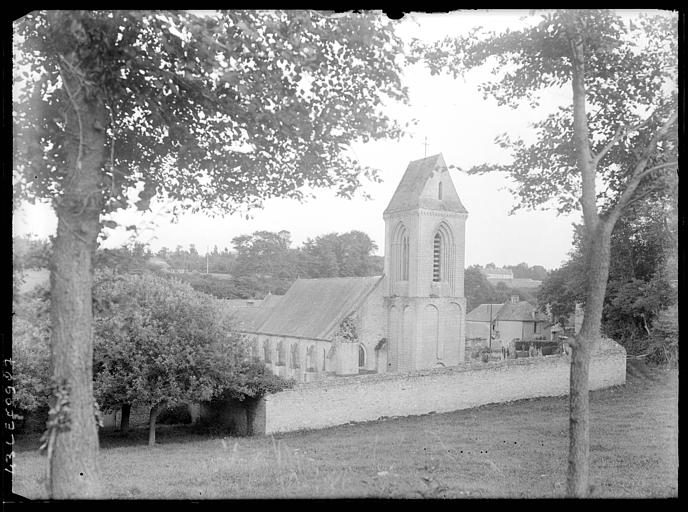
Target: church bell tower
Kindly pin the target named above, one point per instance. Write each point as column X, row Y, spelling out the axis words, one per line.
column 424, row 265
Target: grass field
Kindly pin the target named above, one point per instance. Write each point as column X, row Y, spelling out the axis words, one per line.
column 507, row 450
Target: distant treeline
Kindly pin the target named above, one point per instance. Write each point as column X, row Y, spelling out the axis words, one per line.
column 478, row 290
column 260, row 263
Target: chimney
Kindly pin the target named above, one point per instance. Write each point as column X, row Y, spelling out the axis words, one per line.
column 514, row 299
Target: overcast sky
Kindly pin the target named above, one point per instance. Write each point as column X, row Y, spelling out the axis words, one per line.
column 457, row 122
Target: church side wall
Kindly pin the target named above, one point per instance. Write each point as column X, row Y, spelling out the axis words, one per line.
column 370, row 397
column 373, row 325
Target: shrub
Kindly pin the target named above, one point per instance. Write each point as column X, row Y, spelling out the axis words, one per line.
column 175, row 415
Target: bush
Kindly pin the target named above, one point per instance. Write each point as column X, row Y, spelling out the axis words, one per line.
column 213, row 426
column 663, row 344
column 175, row 415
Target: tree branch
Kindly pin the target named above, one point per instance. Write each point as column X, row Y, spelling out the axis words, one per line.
column 640, row 171
column 78, row 118
column 657, row 167
column 620, row 133
column 581, row 137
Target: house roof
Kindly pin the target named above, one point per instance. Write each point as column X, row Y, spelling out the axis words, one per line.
column 250, row 317
column 521, row 311
column 314, row 308
column 482, row 313
column 409, row 192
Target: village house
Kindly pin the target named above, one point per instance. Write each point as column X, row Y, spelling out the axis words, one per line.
column 499, row 324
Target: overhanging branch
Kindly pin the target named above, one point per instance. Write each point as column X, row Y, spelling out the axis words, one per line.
column 641, row 171
column 621, row 132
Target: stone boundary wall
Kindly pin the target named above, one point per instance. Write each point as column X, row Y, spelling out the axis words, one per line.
column 342, row 400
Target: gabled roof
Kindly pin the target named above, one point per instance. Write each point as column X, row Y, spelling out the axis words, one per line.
column 314, row 308
column 408, row 194
column 482, row 313
column 248, row 318
column 521, row 311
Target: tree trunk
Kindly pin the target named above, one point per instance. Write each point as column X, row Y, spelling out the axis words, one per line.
column 126, row 412
column 73, row 466
column 250, row 408
column 585, row 344
column 155, row 411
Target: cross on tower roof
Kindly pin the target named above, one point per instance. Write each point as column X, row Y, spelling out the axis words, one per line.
column 425, row 143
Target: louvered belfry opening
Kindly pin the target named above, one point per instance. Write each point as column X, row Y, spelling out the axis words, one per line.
column 436, row 257
column 443, row 256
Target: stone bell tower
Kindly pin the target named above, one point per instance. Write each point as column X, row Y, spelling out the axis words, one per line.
column 424, row 265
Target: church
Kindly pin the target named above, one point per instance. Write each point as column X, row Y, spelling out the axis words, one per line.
column 411, row 318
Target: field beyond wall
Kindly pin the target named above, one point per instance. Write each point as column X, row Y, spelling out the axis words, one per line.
column 516, row 449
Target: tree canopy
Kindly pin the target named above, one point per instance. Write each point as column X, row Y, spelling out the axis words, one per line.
column 215, row 112
column 631, row 68
column 223, row 110
column 159, row 343
column 644, row 244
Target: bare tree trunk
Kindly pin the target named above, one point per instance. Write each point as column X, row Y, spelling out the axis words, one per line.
column 250, row 406
column 584, row 345
column 598, row 268
column 126, row 413
column 73, row 465
column 155, row 411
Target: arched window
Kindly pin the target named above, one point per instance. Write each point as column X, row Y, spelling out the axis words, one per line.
column 405, row 258
column 400, row 254
column 267, row 351
column 295, row 363
column 361, row 356
column 310, row 358
column 281, row 353
column 443, row 255
column 439, row 191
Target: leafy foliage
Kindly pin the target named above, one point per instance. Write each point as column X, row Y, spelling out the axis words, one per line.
column 631, row 71
column 265, row 260
column 214, row 112
column 212, row 284
column 159, row 341
column 247, row 104
column 347, row 332
column 253, row 380
column 663, row 347
column 339, row 255
column 31, row 352
column 478, row 290
column 644, row 245
column 30, row 252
